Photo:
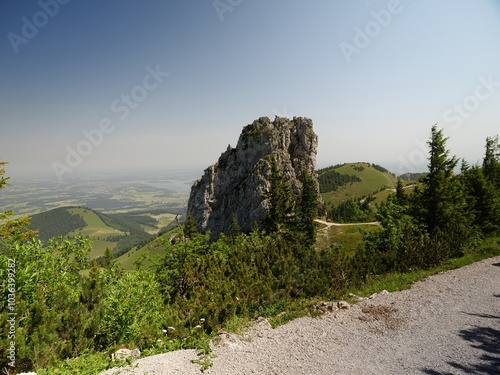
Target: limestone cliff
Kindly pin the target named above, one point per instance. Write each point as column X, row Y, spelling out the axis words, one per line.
column 236, row 183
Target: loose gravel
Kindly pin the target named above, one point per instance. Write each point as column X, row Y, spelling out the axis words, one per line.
column 446, row 324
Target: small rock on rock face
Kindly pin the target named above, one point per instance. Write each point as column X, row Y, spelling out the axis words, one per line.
column 343, row 305
column 236, row 183
column 124, row 354
column 226, row 339
column 382, row 293
column 326, row 306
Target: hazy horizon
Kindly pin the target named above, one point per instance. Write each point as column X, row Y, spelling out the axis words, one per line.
column 124, row 86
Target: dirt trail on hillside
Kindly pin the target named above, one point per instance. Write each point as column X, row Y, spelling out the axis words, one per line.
column 330, row 224
column 446, row 324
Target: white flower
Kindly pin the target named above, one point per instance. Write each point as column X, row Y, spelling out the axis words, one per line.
column 202, row 320
column 197, row 327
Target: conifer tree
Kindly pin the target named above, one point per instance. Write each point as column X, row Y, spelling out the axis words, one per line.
column 401, row 198
column 482, row 198
column 491, row 161
column 281, row 215
column 235, row 229
column 308, row 209
column 440, row 203
column 190, row 226
column 12, row 231
column 108, row 259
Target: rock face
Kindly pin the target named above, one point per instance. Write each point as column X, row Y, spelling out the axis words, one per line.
column 236, row 183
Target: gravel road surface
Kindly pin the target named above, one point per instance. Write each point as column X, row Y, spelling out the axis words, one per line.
column 446, row 324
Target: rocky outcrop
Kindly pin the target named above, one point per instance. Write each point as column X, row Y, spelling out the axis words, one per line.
column 237, row 182
column 124, row 354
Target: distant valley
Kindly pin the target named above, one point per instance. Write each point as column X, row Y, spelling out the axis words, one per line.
column 121, row 193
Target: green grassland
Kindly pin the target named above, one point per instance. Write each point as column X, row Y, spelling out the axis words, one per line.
column 162, row 221
column 153, row 248
column 347, row 238
column 372, row 181
column 97, row 230
column 95, row 227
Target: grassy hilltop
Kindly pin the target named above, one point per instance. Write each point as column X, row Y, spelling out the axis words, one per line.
column 371, row 180
column 351, row 190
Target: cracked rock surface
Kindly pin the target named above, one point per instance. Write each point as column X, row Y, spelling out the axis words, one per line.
column 234, row 185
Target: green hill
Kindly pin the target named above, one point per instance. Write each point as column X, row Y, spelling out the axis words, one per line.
column 362, row 179
column 117, row 232
column 350, row 189
column 152, row 248
column 56, row 222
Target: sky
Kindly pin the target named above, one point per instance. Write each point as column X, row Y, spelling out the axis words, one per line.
column 116, row 85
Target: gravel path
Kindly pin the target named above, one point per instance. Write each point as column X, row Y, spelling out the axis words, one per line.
column 446, row 324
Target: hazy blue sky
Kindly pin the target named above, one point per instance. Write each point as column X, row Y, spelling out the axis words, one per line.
column 373, row 75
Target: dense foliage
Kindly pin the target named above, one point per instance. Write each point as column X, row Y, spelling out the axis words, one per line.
column 331, row 180
column 352, row 211
column 55, row 223
column 381, row 169
column 446, row 213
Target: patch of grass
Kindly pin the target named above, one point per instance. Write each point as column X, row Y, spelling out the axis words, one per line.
column 95, row 226
column 85, row 364
column 380, row 197
column 348, row 237
column 100, row 246
column 283, row 311
column 153, row 248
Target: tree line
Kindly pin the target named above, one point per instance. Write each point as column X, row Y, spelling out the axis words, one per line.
column 331, row 180
column 446, row 214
